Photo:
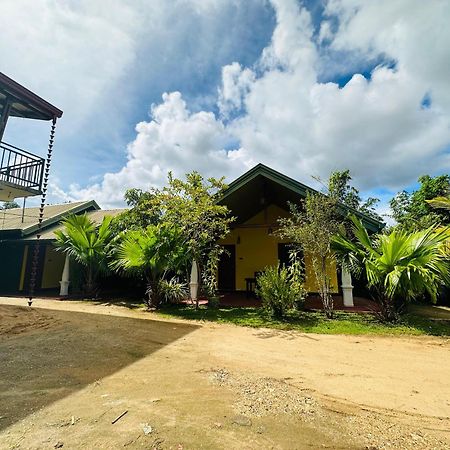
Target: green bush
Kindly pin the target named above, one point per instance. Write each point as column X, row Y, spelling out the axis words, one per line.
column 280, row 289
column 173, row 290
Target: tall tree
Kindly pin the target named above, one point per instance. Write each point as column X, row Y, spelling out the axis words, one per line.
column 311, row 227
column 191, row 205
column 340, row 187
column 412, row 210
column 139, row 216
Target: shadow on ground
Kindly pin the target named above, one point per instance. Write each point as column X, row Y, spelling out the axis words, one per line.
column 48, row 354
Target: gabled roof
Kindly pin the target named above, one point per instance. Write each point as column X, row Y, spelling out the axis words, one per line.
column 24, row 102
column 95, row 215
column 13, row 226
column 262, row 185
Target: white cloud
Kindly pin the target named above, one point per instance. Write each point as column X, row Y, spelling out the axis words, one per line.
column 174, row 139
column 375, row 127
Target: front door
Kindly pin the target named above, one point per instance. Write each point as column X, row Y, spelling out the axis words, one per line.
column 227, row 269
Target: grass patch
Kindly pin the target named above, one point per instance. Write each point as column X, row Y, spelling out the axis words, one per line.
column 312, row 322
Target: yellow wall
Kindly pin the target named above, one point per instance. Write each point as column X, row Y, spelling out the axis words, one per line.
column 24, row 268
column 257, row 248
column 53, row 267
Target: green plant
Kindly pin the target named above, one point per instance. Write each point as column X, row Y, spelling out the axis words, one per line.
column 311, row 227
column 399, row 266
column 192, row 206
column 413, row 211
column 88, row 244
column 280, row 288
column 153, row 253
column 173, row 290
column 440, row 203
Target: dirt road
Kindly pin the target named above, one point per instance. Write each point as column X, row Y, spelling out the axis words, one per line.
column 68, row 369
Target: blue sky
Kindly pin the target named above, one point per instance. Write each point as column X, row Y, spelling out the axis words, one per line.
column 220, row 85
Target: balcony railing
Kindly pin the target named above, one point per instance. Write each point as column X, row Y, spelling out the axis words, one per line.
column 20, row 167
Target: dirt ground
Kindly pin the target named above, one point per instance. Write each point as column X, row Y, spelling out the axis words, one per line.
column 69, row 369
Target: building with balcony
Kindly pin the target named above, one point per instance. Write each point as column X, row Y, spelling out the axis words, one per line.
column 22, row 173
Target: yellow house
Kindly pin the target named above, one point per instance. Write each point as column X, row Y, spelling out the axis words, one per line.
column 258, row 199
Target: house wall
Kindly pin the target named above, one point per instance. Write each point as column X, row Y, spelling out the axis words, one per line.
column 53, row 268
column 11, row 254
column 257, row 248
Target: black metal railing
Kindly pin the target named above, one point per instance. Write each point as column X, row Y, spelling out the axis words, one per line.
column 20, row 167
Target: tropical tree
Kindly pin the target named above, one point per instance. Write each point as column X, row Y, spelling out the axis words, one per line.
column 440, row 203
column 311, row 227
column 413, row 211
column 153, row 253
column 399, row 266
column 340, row 188
column 87, row 243
column 192, row 206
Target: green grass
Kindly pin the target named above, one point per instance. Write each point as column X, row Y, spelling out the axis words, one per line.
column 414, row 323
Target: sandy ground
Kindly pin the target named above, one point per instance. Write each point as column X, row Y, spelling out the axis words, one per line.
column 68, row 369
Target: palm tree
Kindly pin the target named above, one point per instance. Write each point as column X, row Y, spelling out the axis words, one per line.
column 154, row 253
column 87, row 243
column 399, row 266
column 440, row 203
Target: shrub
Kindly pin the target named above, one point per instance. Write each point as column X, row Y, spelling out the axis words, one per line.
column 280, row 288
column 173, row 290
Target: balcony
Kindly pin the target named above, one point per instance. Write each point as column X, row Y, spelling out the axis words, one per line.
column 21, row 173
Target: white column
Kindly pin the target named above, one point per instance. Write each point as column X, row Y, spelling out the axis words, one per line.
column 347, row 288
column 194, row 281
column 64, row 290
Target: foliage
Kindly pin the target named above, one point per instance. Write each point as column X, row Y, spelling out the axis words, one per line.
column 413, row 212
column 152, row 253
column 88, row 244
column 9, row 205
column 191, row 205
column 139, row 216
column 399, row 266
column 173, row 290
column 414, row 323
column 339, row 187
column 311, row 226
column 280, row 288
column 440, row 203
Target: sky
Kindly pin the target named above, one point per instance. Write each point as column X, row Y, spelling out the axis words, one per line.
column 217, row 86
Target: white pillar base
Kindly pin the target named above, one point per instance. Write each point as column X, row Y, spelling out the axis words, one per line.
column 65, row 281
column 347, row 288
column 194, row 290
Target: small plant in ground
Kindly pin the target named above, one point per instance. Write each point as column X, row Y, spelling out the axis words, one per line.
column 173, row 290
column 280, row 288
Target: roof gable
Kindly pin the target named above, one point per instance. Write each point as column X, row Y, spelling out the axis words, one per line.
column 262, row 185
